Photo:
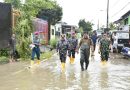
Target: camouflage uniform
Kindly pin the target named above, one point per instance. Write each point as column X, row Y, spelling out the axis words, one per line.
column 104, row 48
column 85, row 52
column 73, row 42
column 62, row 47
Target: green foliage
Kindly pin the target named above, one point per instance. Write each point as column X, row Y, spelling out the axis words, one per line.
column 86, row 26
column 53, row 43
column 112, row 26
column 24, row 26
column 4, row 52
column 52, row 15
column 81, row 29
column 68, row 35
column 46, row 55
column 3, row 60
column 15, row 3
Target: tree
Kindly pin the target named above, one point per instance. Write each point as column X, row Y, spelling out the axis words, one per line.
column 15, row 3
column 112, row 26
column 87, row 26
column 24, row 26
column 52, row 15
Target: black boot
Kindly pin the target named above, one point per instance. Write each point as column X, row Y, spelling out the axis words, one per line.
column 82, row 66
column 86, row 66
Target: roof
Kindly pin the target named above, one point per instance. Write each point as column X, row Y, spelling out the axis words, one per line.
column 126, row 15
column 123, row 17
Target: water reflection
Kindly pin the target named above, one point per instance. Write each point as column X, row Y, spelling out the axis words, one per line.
column 115, row 75
column 103, row 79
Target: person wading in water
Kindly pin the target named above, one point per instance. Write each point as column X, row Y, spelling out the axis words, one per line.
column 73, row 43
column 62, row 48
column 85, row 44
column 104, row 48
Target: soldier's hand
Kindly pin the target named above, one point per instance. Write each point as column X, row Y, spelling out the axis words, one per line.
column 77, row 52
column 99, row 52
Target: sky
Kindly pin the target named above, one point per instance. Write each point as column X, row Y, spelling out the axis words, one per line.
column 92, row 10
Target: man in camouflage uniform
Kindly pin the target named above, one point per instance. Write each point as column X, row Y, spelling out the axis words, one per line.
column 85, row 44
column 73, row 42
column 104, row 48
column 62, row 47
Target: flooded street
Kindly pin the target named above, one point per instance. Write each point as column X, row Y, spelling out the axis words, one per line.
column 115, row 75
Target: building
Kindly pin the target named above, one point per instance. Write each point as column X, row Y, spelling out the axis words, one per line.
column 61, row 28
column 124, row 22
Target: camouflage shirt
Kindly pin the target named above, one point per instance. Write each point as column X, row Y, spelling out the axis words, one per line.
column 73, row 42
column 62, row 46
column 104, row 45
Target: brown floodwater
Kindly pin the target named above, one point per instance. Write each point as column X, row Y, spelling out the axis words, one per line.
column 115, row 75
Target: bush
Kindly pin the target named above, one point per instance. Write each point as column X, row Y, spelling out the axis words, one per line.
column 53, row 43
column 46, row 55
column 3, row 60
column 23, row 48
column 4, row 52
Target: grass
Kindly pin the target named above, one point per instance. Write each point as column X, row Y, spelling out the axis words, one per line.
column 47, row 55
column 4, row 60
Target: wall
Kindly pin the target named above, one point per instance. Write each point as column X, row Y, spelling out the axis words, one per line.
column 129, row 20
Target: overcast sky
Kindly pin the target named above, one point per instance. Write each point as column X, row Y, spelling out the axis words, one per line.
column 92, row 10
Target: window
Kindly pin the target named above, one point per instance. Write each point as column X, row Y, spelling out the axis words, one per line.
column 52, row 31
column 126, row 21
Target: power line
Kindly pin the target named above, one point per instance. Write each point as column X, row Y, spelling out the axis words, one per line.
column 121, row 9
column 115, row 3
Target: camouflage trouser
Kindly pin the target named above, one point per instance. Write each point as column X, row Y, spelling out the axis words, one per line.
column 71, row 53
column 84, row 58
column 63, row 57
column 104, row 55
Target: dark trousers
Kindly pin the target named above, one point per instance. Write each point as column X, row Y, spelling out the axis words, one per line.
column 62, row 57
column 36, row 50
column 84, row 58
column 71, row 53
column 94, row 45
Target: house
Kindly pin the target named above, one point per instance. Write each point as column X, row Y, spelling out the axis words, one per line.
column 41, row 26
column 124, row 22
column 61, row 28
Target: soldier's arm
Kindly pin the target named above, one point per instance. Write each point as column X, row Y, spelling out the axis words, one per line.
column 79, row 44
column 76, row 43
column 91, row 45
column 100, row 45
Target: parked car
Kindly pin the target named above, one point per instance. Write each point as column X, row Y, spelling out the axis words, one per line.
column 99, row 32
column 126, row 51
column 122, row 39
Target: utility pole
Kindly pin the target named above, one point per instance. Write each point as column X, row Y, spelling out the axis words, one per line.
column 98, row 25
column 107, row 15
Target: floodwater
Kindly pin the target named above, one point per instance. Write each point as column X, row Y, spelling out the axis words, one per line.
column 115, row 75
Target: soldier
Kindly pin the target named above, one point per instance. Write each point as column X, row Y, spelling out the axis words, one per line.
column 73, row 42
column 85, row 44
column 104, row 48
column 62, row 47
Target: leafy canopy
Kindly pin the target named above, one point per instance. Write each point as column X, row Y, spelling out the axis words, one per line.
column 86, row 26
